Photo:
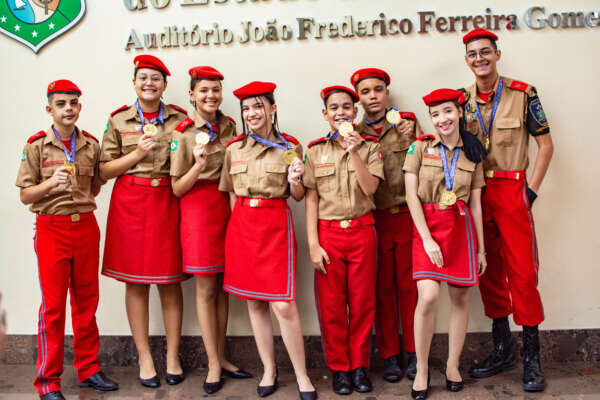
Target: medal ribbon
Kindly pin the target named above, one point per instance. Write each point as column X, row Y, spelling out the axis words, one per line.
column 160, row 118
column 449, row 173
column 332, row 136
column 70, row 156
column 213, row 134
column 369, row 123
column 269, row 143
column 497, row 98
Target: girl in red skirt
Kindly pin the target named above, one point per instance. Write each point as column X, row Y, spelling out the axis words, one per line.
column 440, row 182
column 142, row 232
column 197, row 154
column 261, row 170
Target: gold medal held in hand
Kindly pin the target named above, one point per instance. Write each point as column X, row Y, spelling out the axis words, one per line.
column 393, row 117
column 346, row 128
column 72, row 168
column 448, row 198
column 289, row 156
column 150, row 129
column 202, row 138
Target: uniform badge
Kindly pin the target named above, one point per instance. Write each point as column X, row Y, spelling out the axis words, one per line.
column 324, row 158
column 24, row 156
column 35, row 23
column 174, row 145
column 411, row 149
column 431, row 150
column 380, row 155
column 535, row 107
column 106, row 130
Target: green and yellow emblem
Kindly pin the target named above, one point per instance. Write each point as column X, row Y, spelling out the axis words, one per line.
column 37, row 22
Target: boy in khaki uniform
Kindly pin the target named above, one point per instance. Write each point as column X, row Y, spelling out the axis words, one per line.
column 59, row 178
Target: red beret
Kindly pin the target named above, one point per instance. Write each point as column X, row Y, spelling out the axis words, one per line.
column 328, row 91
column 63, row 86
column 205, row 73
column 254, row 89
column 148, row 61
column 369, row 73
column 478, row 34
column 442, row 95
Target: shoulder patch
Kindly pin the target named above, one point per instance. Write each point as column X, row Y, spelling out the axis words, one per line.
column 231, row 119
column 37, row 136
column 425, row 137
column 518, row 85
column 369, row 138
column 118, row 110
column 89, row 135
column 317, row 141
column 173, row 106
column 290, row 138
column 408, row 115
column 237, row 139
column 184, row 124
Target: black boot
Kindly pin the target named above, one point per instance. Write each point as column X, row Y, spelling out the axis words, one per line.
column 533, row 377
column 391, row 369
column 411, row 366
column 503, row 355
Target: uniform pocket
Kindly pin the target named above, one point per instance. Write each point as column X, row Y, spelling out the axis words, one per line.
column 464, row 174
column 214, row 157
column 393, row 162
column 129, row 142
column 505, row 129
column 431, row 169
column 83, row 182
column 239, row 175
column 325, row 178
column 276, row 174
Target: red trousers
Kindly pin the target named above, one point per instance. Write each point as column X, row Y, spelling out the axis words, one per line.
column 345, row 297
column 509, row 284
column 396, row 289
column 68, row 256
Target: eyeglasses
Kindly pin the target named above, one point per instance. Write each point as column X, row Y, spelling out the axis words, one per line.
column 484, row 53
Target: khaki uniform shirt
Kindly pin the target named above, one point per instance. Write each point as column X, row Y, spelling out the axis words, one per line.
column 394, row 146
column 424, row 160
column 519, row 115
column 182, row 157
column 43, row 154
column 252, row 169
column 123, row 133
column 331, row 173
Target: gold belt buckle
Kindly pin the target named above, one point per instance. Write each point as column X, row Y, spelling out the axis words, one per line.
column 489, row 173
column 394, row 210
column 75, row 217
column 345, row 224
column 518, row 175
column 254, row 203
column 155, row 182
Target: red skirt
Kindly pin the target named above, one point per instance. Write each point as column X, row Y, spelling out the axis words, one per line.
column 205, row 212
column 142, row 232
column 454, row 231
column 260, row 251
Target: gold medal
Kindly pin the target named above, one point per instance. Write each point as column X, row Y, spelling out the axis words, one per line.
column 448, row 198
column 393, row 117
column 150, row 129
column 202, row 138
column 346, row 128
column 289, row 156
column 486, row 143
column 72, row 168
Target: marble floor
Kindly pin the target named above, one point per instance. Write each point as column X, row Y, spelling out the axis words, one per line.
column 566, row 381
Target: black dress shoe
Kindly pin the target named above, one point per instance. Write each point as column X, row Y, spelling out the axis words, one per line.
column 151, row 383
column 391, row 369
column 411, row 369
column 237, row 374
column 264, row 391
column 361, row 381
column 213, row 387
column 100, row 382
column 421, row 394
column 312, row 395
column 172, row 379
column 453, row 386
column 342, row 384
column 53, row 396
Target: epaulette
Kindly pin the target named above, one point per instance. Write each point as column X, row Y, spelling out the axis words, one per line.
column 518, row 85
column 408, row 115
column 90, row 135
column 425, row 137
column 118, row 110
column 37, row 136
column 369, row 138
column 290, row 138
column 237, row 139
column 231, row 119
column 317, row 141
column 184, row 124
column 173, row 106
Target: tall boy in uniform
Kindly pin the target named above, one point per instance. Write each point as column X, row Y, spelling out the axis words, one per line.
column 504, row 113
column 59, row 178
